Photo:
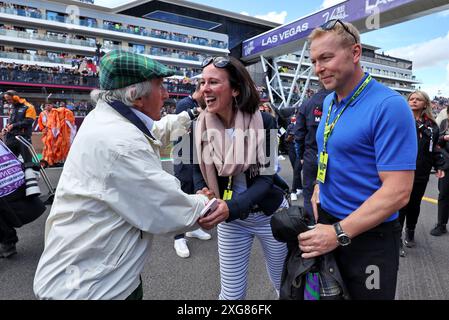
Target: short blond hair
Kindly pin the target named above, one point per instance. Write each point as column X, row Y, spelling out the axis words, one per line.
column 346, row 38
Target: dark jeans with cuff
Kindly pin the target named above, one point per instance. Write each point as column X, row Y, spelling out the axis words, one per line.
column 369, row 265
column 296, row 166
column 184, row 173
column 309, row 171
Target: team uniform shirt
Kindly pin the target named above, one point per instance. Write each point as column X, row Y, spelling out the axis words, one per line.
column 375, row 133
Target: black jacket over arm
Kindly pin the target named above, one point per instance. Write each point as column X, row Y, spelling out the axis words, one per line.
column 261, row 193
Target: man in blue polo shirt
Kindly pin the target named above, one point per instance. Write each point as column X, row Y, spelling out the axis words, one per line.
column 366, row 161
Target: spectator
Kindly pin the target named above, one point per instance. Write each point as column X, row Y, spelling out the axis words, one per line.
column 428, row 156
column 443, row 183
column 295, row 160
column 18, row 205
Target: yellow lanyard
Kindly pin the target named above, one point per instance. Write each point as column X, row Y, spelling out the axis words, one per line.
column 227, row 194
column 329, row 128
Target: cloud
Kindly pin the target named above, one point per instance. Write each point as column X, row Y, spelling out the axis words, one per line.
column 425, row 54
column 437, row 89
column 444, row 13
column 330, row 3
column 274, row 16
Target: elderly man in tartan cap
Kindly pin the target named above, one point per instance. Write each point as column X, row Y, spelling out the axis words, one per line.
column 113, row 193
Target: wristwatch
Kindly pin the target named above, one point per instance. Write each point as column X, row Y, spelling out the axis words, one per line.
column 342, row 238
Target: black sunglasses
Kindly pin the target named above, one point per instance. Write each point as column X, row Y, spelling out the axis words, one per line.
column 219, row 62
column 330, row 25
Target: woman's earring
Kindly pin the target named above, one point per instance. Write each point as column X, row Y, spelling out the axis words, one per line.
column 235, row 101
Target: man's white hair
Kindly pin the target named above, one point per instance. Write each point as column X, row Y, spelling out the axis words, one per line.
column 126, row 95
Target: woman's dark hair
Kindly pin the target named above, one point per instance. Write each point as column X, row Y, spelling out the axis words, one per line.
column 248, row 100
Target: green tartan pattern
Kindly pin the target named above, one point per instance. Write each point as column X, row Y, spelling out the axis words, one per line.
column 119, row 69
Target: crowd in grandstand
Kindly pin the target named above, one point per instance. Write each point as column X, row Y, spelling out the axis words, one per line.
column 111, row 25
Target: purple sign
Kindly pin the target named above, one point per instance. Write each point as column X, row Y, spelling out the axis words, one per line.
column 11, row 173
column 350, row 10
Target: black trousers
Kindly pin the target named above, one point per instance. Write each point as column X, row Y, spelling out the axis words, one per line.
column 137, row 294
column 443, row 199
column 18, row 148
column 296, row 166
column 8, row 234
column 184, row 173
column 16, row 210
column 410, row 213
column 309, row 171
column 369, row 265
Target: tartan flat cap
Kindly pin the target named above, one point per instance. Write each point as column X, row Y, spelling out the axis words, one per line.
column 119, row 69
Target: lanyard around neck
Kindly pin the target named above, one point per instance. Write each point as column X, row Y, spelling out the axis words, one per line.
column 329, row 128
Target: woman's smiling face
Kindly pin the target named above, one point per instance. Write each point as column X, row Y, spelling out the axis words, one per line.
column 216, row 89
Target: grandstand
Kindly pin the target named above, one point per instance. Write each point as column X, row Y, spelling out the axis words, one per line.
column 53, row 47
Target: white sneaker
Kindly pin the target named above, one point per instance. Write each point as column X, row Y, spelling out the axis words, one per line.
column 298, row 192
column 181, row 248
column 293, row 197
column 199, row 234
column 281, row 158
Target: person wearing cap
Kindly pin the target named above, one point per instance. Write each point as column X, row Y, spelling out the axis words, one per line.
column 113, row 194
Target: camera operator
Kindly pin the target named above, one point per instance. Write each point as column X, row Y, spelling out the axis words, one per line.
column 19, row 201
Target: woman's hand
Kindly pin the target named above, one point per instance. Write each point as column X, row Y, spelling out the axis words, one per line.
column 219, row 215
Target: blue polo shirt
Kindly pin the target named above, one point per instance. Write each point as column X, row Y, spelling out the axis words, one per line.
column 375, row 133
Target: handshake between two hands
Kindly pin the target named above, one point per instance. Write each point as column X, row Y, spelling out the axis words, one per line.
column 216, row 212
